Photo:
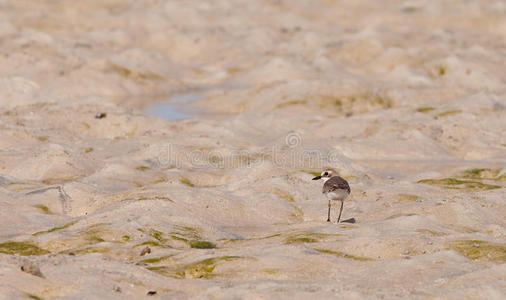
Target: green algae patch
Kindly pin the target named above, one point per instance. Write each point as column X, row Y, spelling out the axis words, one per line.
column 359, row 102
column 150, row 243
column 202, row 245
column 191, row 236
column 425, row 110
column 32, row 296
column 383, row 102
column 284, row 195
column 22, row 248
column 125, row 238
column 178, row 238
column 301, row 240
column 161, row 240
column 343, row 255
column 448, row 113
column 431, row 232
column 297, row 214
column 141, row 76
column 87, row 250
column 186, row 181
column 56, row 228
column 161, row 180
column 43, row 209
column 88, row 150
column 93, row 236
column 22, row 186
column 188, row 232
column 143, row 168
column 441, row 70
column 156, row 260
column 480, row 250
column 60, row 180
column 99, row 225
column 158, row 235
column 307, row 237
column 94, row 239
column 407, row 198
column 347, row 226
column 291, row 103
column 453, row 183
column 200, row 269
column 463, row 229
column 270, row 271
column 488, row 174
column 234, row 70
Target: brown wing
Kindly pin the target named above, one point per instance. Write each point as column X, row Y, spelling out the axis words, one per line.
column 336, row 183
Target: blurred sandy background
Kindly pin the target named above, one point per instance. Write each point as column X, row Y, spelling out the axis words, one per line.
column 407, row 99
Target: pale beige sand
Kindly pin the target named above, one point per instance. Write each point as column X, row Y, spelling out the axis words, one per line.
column 406, row 98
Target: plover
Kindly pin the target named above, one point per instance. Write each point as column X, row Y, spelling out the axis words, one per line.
column 335, row 188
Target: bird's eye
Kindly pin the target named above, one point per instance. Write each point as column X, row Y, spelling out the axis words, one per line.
column 326, row 173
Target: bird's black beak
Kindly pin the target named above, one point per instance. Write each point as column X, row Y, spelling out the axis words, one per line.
column 317, row 177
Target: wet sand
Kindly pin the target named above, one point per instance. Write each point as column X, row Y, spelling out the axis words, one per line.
column 215, row 117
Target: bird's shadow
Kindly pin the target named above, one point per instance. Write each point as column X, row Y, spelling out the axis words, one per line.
column 350, row 220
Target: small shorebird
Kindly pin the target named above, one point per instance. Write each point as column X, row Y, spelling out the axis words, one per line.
column 335, row 188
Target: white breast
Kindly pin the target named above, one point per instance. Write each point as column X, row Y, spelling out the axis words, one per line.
column 337, row 195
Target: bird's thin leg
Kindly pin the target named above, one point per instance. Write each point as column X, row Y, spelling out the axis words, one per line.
column 340, row 211
column 328, row 217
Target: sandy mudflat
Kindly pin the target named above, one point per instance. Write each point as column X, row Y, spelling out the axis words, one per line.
column 407, row 99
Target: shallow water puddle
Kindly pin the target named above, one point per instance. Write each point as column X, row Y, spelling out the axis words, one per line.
column 171, row 109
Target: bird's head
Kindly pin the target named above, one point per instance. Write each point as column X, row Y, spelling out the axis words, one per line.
column 325, row 175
